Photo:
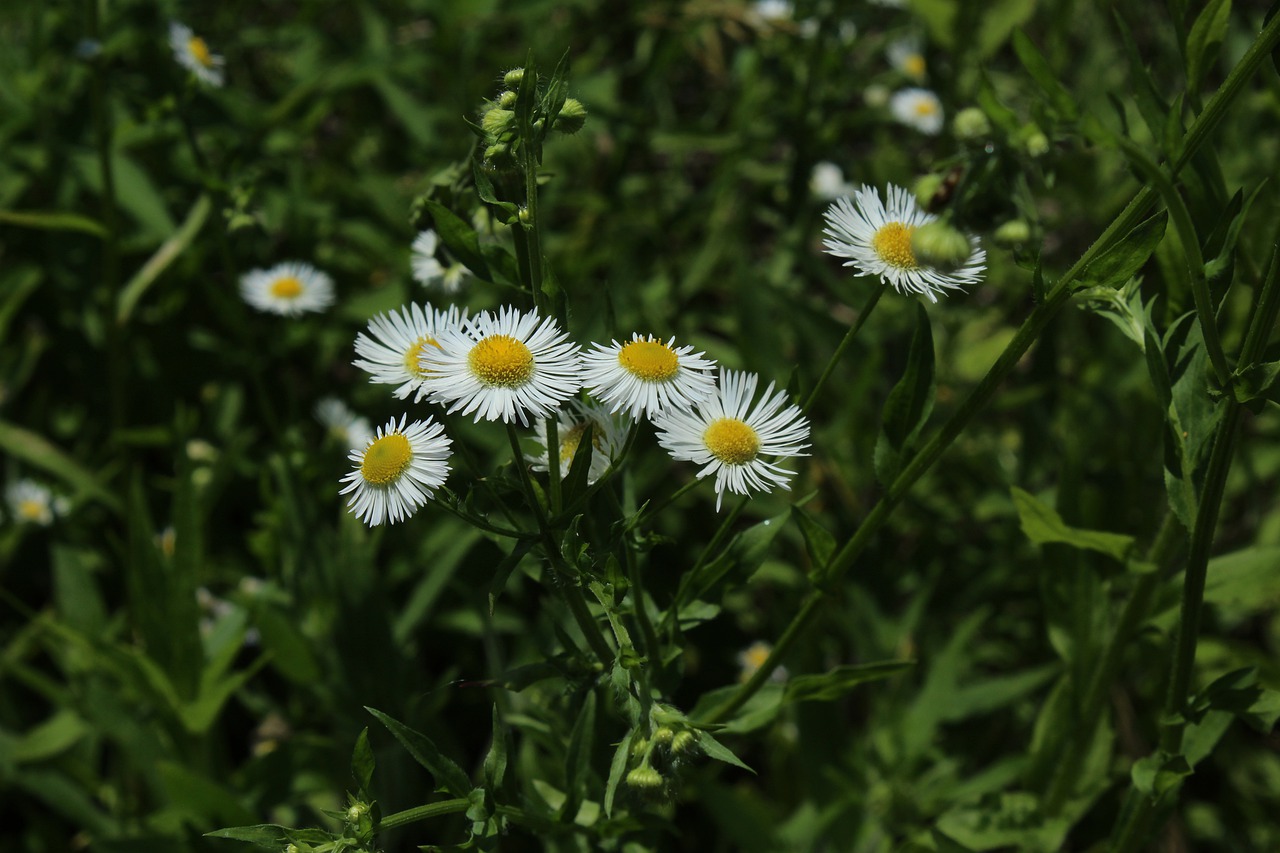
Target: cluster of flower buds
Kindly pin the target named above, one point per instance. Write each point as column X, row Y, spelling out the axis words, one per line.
column 658, row 757
column 523, row 112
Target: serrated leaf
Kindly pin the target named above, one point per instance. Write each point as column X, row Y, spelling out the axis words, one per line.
column 1043, row 525
column 448, row 775
column 839, row 682
column 1205, row 39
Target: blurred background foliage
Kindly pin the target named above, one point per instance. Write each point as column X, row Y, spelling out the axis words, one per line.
column 152, row 693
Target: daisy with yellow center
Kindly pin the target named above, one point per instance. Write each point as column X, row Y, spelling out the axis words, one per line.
column 427, row 269
column 574, row 423
column 509, row 366
column 645, row 375
column 907, row 59
column 289, row 289
column 876, row 238
column 753, row 657
column 193, row 54
column 729, row 437
column 392, row 349
column 345, row 425
column 918, row 108
column 398, row 471
column 32, row 503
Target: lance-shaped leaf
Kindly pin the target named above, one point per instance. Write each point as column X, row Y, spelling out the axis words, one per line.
column 1042, row 524
column 448, row 775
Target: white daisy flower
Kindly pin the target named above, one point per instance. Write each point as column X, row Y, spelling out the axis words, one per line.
column 827, row 182
column 398, row 471
column 508, row 366
column 428, row 271
column 876, row 237
column 33, row 503
column 645, row 375
column 288, row 289
column 729, row 441
column 918, row 108
column 573, row 422
column 193, row 54
column 392, row 349
column 906, row 56
column 353, row 430
column 773, row 10
column 753, row 657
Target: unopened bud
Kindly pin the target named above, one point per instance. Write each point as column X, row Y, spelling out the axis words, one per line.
column 507, row 100
column 1012, row 232
column 971, row 123
column 939, row 245
column 663, row 735
column 512, row 78
column 638, row 746
column 926, row 188
column 684, row 742
column 497, row 151
column 525, row 216
column 1035, row 142
column 645, row 778
column 496, row 121
column 573, row 115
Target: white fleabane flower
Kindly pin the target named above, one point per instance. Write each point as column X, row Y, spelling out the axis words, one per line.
column 352, row 429
column 289, row 289
column 773, row 10
column 192, row 53
column 729, row 437
column 753, row 657
column 391, row 351
column 827, row 182
column 427, row 269
column 876, row 237
column 645, row 375
column 918, row 108
column 398, row 471
column 33, row 503
column 508, row 366
column 906, row 56
column 574, row 422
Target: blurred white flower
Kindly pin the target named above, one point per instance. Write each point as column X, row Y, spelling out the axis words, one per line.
column 918, row 108
column 827, row 182
column 193, row 54
column 351, row 429
column 288, row 289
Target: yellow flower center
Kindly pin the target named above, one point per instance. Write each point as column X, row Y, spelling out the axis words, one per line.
column 200, row 51
column 755, row 656
column 649, row 360
column 925, row 107
column 731, row 441
column 573, row 437
column 413, row 355
column 286, row 287
column 502, row 361
column 913, row 66
column 893, row 244
column 31, row 510
column 386, row 459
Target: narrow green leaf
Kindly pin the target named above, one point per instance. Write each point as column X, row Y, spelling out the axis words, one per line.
column 577, row 756
column 459, row 237
column 495, row 761
column 743, row 556
column 1123, row 260
column 839, row 682
column 617, row 768
column 36, row 451
column 1038, row 67
column 53, row 221
column 168, row 252
column 269, row 835
column 363, row 763
column 1205, row 39
column 55, row 735
column 1158, row 773
column 909, row 403
column 1043, row 525
column 819, row 541
column 715, row 749
column 448, row 775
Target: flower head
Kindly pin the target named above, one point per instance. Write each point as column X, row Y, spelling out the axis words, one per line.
column 33, row 503
column 753, row 657
column 427, row 269
column 730, row 438
column 351, row 429
column 574, row 422
column 288, row 289
column 907, row 58
column 876, row 237
column 509, row 366
column 193, row 54
column 646, row 375
column 391, row 351
column 398, row 471
column 918, row 108
column 827, row 182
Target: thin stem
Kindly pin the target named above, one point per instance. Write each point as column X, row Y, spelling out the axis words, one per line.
column 413, row 815
column 1267, row 306
column 844, row 345
column 553, row 463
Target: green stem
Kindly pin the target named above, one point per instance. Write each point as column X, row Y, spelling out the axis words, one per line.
column 1263, row 320
column 553, row 463
column 844, row 345
column 531, row 230
column 426, row 812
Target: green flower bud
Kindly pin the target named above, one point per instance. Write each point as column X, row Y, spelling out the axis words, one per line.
column 356, row 811
column 1013, row 232
column 638, row 746
column 663, row 735
column 939, row 245
column 573, row 115
column 525, row 216
column 684, row 743
column 507, row 100
column 926, row 188
column 497, row 151
column 1034, row 142
column 496, row 121
column 645, row 778
column 971, row 123
column 512, row 78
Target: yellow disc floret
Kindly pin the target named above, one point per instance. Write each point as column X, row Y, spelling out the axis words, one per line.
column 31, row 510
column 502, row 361
column 893, row 244
column 286, row 287
column 200, row 51
column 649, row 360
column 925, row 107
column 413, row 355
column 913, row 66
column 573, row 437
column 386, row 459
column 731, row 441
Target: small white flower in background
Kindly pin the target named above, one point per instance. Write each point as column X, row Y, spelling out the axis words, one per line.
column 167, row 540
column 753, row 657
column 34, row 503
column 193, row 54
column 645, row 375
column 773, row 10
column 876, row 237
column 289, row 289
column 509, row 366
column 827, row 182
column 427, row 269
column 391, row 351
column 729, row 437
column 398, row 472
column 875, row 96
column 907, row 57
column 351, row 429
column 918, row 108
column 574, row 422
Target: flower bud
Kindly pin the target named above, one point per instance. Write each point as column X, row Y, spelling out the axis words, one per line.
column 663, row 735
column 1035, row 142
column 645, row 778
column 356, row 811
column 512, row 78
column 525, row 216
column 1013, row 232
column 573, row 115
column 684, row 742
column 971, row 123
column 497, row 151
column 507, row 100
column 926, row 187
column 939, row 245
column 496, row 121
column 638, row 746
